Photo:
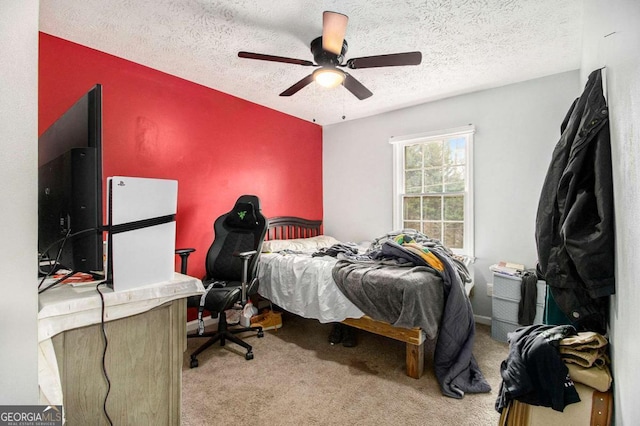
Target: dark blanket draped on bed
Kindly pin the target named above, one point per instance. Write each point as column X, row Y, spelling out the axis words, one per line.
column 404, row 296
column 419, row 296
column 455, row 366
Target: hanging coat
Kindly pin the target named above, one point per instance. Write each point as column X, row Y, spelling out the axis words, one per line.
column 575, row 223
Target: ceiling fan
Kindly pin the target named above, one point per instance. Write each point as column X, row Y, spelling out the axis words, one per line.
column 328, row 52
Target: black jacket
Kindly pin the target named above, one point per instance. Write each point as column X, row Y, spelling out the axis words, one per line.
column 534, row 372
column 574, row 223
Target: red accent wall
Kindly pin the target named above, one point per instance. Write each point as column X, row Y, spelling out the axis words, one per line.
column 217, row 146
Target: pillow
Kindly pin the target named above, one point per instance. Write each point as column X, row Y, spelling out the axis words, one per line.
column 299, row 244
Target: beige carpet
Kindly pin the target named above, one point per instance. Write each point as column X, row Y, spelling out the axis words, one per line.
column 297, row 378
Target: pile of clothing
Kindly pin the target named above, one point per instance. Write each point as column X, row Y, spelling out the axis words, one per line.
column 587, row 359
column 545, row 362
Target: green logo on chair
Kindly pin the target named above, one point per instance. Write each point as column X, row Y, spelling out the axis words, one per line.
column 242, row 214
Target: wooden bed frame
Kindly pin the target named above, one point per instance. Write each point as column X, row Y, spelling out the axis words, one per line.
column 289, row 227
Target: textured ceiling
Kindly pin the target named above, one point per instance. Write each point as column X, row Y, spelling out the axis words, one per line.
column 466, row 45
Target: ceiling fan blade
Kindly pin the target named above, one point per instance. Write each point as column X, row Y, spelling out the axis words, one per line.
column 272, row 58
column 392, row 60
column 334, row 28
column 299, row 85
column 355, row 87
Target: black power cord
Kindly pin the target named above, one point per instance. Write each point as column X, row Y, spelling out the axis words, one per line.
column 104, row 355
column 62, row 242
column 56, row 263
column 58, row 281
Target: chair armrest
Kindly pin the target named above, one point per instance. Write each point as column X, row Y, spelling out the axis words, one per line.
column 185, row 251
column 245, row 254
column 184, row 256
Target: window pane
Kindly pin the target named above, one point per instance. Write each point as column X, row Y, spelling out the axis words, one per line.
column 435, row 189
column 411, row 208
column 454, row 208
column 455, row 151
column 433, row 154
column 454, row 174
column 453, row 235
column 433, row 180
column 432, row 230
column 454, row 178
column 432, row 208
column 413, row 181
column 454, row 187
column 413, row 156
column 412, row 225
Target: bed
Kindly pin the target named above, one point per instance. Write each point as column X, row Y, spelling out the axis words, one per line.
column 313, row 286
column 330, row 305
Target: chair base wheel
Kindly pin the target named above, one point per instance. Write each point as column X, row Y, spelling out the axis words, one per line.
column 260, row 333
column 194, row 363
column 248, row 356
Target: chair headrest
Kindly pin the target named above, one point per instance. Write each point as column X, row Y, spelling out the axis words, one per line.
column 243, row 215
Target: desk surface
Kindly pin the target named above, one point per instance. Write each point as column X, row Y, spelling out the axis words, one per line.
column 68, row 307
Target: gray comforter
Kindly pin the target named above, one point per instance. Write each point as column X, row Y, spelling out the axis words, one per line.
column 455, row 366
column 418, row 296
column 404, row 296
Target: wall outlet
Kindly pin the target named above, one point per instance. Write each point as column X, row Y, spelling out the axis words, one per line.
column 490, row 289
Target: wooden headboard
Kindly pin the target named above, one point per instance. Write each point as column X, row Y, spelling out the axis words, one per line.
column 289, row 227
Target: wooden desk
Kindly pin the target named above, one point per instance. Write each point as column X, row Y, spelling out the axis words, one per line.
column 146, row 333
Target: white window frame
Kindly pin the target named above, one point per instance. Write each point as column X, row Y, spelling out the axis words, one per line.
column 399, row 143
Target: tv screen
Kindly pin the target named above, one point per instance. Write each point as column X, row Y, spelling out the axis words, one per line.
column 70, row 188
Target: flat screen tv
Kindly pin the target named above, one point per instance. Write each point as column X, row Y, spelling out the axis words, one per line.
column 70, row 189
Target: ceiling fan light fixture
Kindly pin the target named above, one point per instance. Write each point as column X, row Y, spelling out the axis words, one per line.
column 329, row 53
column 334, row 28
column 328, row 77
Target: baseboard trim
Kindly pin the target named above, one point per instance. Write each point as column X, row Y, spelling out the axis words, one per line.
column 480, row 319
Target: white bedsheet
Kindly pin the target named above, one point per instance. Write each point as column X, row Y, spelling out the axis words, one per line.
column 303, row 285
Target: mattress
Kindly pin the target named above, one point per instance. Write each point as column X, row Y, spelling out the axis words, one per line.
column 303, row 285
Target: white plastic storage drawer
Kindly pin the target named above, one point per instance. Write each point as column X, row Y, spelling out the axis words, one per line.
column 507, row 310
column 507, row 287
column 505, row 304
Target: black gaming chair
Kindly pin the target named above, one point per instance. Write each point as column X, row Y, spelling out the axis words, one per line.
column 230, row 278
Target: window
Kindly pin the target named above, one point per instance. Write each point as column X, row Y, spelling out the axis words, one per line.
column 433, row 188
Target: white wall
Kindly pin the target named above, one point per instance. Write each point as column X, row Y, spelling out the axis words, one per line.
column 517, row 127
column 18, row 216
column 620, row 53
